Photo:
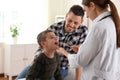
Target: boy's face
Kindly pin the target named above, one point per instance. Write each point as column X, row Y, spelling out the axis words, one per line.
column 52, row 41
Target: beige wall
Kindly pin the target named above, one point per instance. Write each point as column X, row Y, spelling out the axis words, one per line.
column 117, row 4
column 1, row 58
column 55, row 7
column 59, row 7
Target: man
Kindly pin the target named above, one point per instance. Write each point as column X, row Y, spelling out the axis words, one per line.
column 71, row 33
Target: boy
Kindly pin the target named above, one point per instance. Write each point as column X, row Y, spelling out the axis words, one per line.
column 47, row 64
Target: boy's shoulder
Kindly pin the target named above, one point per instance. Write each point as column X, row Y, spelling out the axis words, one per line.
column 40, row 57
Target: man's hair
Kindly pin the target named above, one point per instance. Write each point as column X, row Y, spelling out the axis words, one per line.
column 42, row 36
column 77, row 10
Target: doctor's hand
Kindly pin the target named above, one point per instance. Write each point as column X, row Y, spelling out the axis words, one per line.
column 75, row 48
column 62, row 51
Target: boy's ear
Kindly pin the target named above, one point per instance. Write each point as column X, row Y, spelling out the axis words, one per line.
column 42, row 44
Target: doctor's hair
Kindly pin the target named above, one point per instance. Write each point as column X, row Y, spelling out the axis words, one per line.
column 42, row 36
column 103, row 4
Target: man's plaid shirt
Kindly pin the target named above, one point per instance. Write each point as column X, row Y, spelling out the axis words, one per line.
column 68, row 39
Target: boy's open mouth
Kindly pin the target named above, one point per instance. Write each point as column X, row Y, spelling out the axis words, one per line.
column 57, row 43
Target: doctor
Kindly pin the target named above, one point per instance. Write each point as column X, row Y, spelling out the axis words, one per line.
column 98, row 54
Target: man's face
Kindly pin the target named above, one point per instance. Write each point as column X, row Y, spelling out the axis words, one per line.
column 72, row 22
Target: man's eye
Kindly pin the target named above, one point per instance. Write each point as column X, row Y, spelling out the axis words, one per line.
column 52, row 37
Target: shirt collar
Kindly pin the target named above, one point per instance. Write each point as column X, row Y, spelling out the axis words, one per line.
column 101, row 16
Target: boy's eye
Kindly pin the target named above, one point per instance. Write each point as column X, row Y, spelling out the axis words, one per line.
column 52, row 37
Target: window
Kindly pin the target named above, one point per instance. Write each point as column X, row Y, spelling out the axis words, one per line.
column 32, row 15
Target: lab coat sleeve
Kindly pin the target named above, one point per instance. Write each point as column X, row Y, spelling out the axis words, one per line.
column 88, row 50
column 73, row 61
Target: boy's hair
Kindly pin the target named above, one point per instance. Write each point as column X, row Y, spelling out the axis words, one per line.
column 42, row 36
column 77, row 10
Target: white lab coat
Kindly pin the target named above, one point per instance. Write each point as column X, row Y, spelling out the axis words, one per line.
column 98, row 55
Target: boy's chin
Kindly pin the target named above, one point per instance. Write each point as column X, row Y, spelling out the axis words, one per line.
column 57, row 47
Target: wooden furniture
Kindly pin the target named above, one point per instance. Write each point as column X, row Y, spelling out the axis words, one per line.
column 16, row 57
column 1, row 58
